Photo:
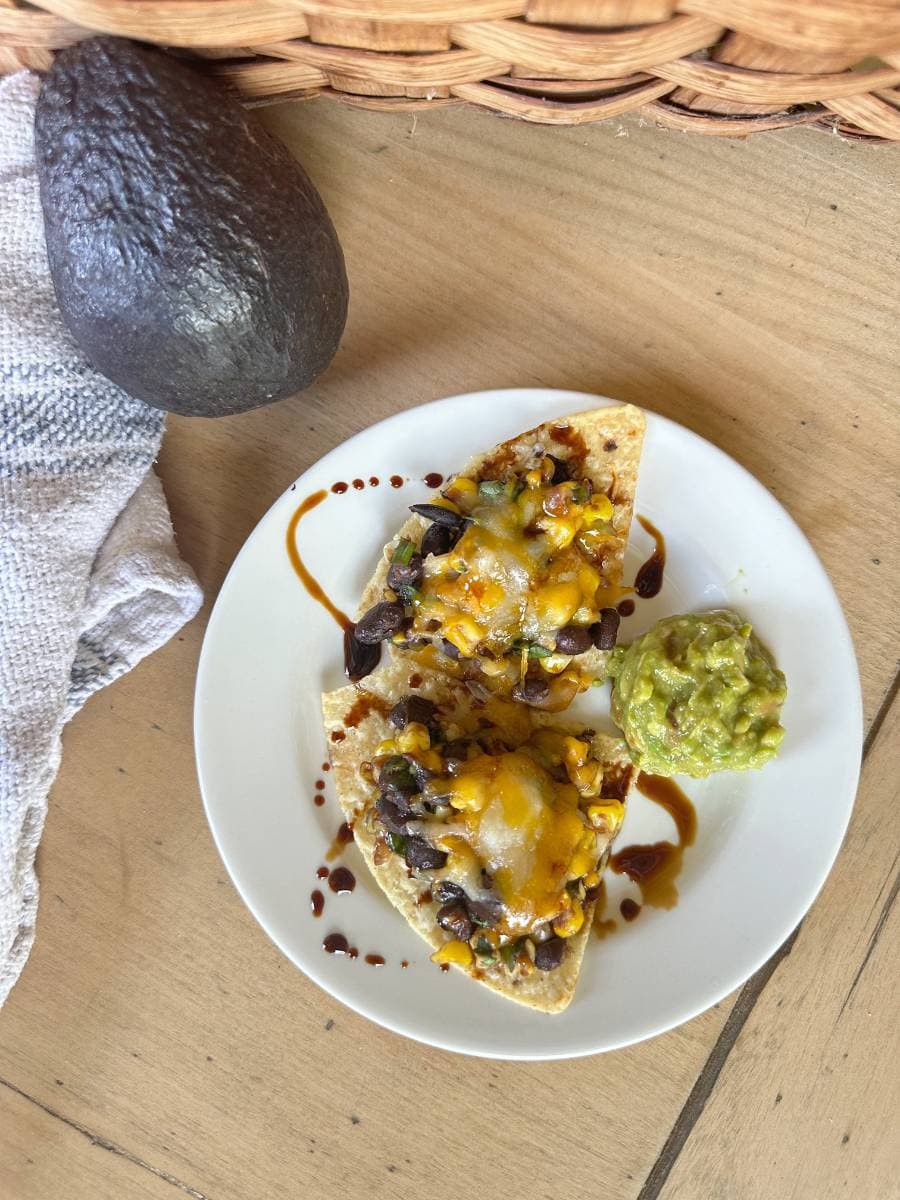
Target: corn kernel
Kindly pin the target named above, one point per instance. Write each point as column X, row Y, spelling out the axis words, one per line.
column 559, row 530
column 430, row 760
column 554, row 663
column 385, row 748
column 588, row 581
column 414, row 738
column 556, row 603
column 533, row 479
column 456, row 952
column 591, row 879
column 492, row 667
column 464, row 633
column 470, row 792
column 607, row 816
column 461, row 488
column 599, row 508
column 568, row 923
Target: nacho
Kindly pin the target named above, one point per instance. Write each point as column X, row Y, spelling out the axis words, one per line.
column 486, row 824
column 510, row 576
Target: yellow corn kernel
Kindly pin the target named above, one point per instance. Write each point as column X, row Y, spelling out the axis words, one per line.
column 430, row 760
column 575, row 751
column 556, row 603
column 414, row 738
column 455, row 952
column 533, row 479
column 492, row 667
column 568, row 923
column 461, row 489
column 591, row 879
column 585, row 857
column 559, row 530
column 491, row 595
column 554, row 663
column 598, row 508
column 607, row 816
column 588, row 581
column 470, row 792
column 464, row 633
column 385, row 748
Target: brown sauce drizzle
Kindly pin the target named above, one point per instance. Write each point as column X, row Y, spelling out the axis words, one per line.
column 375, row 960
column 338, row 735
column 629, row 909
column 649, row 578
column 359, row 484
column 316, row 902
column 625, row 608
column 396, row 481
column 433, row 479
column 339, row 488
column 342, row 838
column 342, row 881
column 415, row 680
column 568, row 435
column 311, row 584
column 424, row 897
column 322, row 873
column 654, row 867
column 365, row 703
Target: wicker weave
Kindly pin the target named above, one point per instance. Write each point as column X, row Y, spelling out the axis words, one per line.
column 721, row 67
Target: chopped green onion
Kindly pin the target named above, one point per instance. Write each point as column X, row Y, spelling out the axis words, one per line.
column 483, row 947
column 491, row 487
column 403, row 551
column 509, row 953
column 581, row 493
column 517, row 488
column 598, row 682
column 408, row 595
column 397, row 842
column 536, row 651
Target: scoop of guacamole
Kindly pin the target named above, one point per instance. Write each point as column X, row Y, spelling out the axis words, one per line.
column 697, row 694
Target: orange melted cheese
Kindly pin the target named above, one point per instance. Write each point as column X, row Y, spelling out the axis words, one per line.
column 526, row 829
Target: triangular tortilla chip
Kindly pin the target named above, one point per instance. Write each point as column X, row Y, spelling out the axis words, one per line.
column 363, row 726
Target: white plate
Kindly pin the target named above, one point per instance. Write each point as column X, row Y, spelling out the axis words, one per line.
column 766, row 839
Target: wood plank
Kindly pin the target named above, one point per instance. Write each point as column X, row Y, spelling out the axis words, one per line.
column 713, row 283
column 806, row 1104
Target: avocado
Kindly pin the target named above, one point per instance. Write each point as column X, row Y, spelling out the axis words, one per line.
column 193, row 260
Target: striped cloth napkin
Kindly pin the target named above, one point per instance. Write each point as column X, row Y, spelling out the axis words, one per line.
column 90, row 579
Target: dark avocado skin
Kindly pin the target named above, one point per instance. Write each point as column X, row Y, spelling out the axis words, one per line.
column 193, row 260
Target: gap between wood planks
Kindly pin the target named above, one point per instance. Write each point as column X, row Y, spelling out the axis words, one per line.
column 96, row 1140
column 744, row 1005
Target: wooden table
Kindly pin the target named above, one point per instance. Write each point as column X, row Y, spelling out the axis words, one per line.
column 157, row 1042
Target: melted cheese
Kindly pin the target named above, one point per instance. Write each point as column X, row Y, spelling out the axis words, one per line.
column 525, row 829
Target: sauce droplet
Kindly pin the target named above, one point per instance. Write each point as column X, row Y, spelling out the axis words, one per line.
column 424, row 897
column 649, row 578
column 629, row 909
column 445, row 967
column 326, row 766
column 342, row 838
column 316, row 902
column 433, row 479
column 625, row 608
column 415, row 680
column 373, row 481
column 312, row 585
column 353, row 952
column 336, row 943
column 339, row 488
column 318, row 799
column 342, row 881
column 396, row 481
column 404, row 963
column 320, row 783
column 322, row 873
column 374, row 960
column 338, row 735
column 359, row 484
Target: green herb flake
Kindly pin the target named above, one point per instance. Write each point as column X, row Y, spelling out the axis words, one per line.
column 491, row 487
column 397, row 842
column 536, row 651
column 403, row 552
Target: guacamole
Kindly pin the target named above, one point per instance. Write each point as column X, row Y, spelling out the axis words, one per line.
column 697, row 694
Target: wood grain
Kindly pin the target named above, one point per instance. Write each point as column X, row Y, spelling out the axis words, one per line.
column 746, row 289
column 807, row 1104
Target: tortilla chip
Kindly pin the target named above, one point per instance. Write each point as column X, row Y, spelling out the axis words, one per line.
column 604, row 443
column 363, row 727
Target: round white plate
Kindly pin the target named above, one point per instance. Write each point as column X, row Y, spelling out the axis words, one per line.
column 766, row 839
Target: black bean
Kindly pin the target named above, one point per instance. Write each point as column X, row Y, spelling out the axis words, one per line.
column 411, row 708
column 395, row 779
column 560, row 470
column 485, row 912
column 380, row 622
column 450, row 650
column 532, row 690
column 360, row 658
column 457, row 749
column 406, row 575
column 439, row 515
column 391, row 816
column 454, row 918
column 573, row 639
column 548, row 955
column 419, row 772
column 438, row 540
column 606, row 630
column 423, row 856
column 446, row 890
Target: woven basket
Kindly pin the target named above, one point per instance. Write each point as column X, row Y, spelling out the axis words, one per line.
column 721, row 67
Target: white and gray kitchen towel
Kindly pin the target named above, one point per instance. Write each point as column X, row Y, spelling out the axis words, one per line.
column 90, row 579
